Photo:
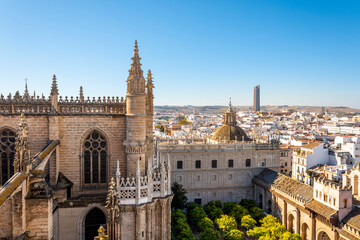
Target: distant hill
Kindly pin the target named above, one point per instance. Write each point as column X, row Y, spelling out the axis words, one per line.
column 220, row 109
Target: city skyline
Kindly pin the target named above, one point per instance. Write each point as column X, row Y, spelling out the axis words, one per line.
column 200, row 54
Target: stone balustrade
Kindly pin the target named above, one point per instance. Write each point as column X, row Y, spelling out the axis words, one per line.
column 67, row 105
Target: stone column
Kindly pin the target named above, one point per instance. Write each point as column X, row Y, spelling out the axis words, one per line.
column 313, row 226
column 274, row 212
column 163, row 203
column 297, row 221
column 285, row 214
column 137, row 222
column 148, row 220
column 169, row 216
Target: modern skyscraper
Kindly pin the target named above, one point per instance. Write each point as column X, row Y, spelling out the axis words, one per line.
column 256, row 107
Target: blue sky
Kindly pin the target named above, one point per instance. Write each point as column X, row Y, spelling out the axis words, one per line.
column 200, row 52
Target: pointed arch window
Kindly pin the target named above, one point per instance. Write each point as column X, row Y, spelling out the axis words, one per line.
column 7, row 154
column 95, row 158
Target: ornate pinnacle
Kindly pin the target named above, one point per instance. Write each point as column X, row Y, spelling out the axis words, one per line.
column 26, row 92
column 136, row 80
column 54, row 88
column 230, row 107
column 81, row 94
column 136, row 49
column 150, row 83
column 118, row 173
column 135, row 65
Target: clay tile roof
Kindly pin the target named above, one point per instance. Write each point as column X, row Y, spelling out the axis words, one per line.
column 266, row 177
column 292, row 187
column 353, row 218
column 285, row 184
column 311, row 145
column 321, row 209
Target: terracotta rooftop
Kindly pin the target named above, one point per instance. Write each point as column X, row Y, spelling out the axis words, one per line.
column 292, row 187
column 285, row 184
column 321, row 209
column 311, row 145
column 353, row 218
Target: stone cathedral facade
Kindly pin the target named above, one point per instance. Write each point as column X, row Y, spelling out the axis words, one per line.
column 75, row 163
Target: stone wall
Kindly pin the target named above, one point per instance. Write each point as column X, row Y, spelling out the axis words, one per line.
column 39, row 218
column 222, row 183
column 6, row 219
column 73, row 130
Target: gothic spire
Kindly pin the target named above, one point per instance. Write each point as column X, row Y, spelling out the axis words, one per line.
column 26, row 92
column 136, row 65
column 54, row 88
column 136, row 81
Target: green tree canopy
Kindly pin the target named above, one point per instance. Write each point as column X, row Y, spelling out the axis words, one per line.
column 206, row 223
column 213, row 209
column 257, row 213
column 185, row 234
column 228, row 206
column 248, row 222
column 290, row 236
column 226, row 223
column 180, row 200
column 195, row 216
column 180, row 229
column 270, row 228
column 248, row 203
column 209, row 234
column 190, row 206
column 234, row 234
column 238, row 212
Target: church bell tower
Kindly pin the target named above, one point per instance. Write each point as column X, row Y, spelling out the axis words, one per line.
column 139, row 197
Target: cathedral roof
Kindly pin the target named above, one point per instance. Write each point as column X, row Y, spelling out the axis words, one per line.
column 230, row 133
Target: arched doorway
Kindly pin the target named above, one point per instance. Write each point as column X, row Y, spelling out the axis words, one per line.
column 291, row 223
column 323, row 236
column 305, row 231
column 93, row 220
column 261, row 201
column 269, row 207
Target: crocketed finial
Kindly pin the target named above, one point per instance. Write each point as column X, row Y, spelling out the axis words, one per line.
column 54, row 87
